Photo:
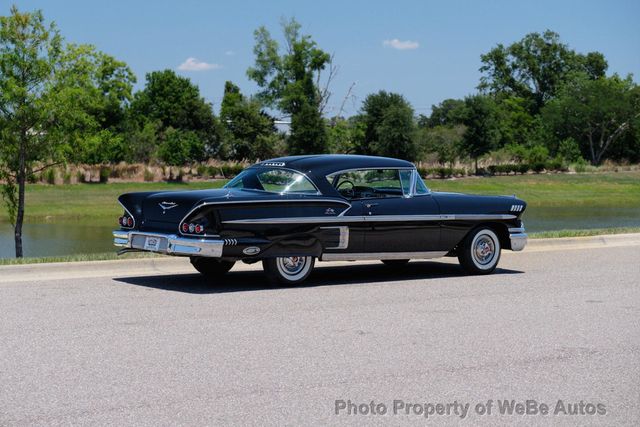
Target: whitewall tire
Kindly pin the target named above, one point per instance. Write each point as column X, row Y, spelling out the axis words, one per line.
column 480, row 251
column 288, row 271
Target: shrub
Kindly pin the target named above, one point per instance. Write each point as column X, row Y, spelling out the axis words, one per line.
column 105, row 172
column 148, row 175
column 202, row 170
column 50, row 176
column 66, row 178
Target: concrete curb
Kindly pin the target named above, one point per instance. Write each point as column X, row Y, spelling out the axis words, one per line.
column 179, row 265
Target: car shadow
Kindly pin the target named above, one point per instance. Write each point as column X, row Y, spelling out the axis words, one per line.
column 244, row 281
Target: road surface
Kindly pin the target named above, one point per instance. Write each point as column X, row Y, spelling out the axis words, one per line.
column 558, row 327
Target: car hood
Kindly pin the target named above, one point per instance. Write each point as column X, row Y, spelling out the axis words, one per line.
column 459, row 203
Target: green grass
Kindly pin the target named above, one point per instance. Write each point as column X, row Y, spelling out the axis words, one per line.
column 555, row 190
column 106, row 256
column 583, row 233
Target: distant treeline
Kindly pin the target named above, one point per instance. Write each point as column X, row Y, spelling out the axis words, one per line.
column 538, row 102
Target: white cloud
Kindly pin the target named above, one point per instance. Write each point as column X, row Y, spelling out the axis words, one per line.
column 192, row 64
column 229, row 53
column 401, row 44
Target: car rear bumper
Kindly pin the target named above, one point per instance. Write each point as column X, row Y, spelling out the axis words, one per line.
column 169, row 244
column 518, row 238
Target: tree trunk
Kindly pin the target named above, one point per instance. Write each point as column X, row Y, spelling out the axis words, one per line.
column 21, row 187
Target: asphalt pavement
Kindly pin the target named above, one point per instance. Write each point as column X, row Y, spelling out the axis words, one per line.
column 118, row 344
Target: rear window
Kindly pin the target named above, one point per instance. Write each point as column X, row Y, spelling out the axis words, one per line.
column 274, row 180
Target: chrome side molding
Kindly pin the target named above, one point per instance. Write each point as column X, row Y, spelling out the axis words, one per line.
column 382, row 256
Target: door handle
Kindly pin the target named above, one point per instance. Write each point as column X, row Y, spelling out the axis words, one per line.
column 369, row 205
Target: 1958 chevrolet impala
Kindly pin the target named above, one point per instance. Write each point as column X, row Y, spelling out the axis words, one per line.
column 290, row 211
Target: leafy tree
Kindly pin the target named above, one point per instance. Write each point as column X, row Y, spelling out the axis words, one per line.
column 483, row 126
column 91, row 91
column 596, row 113
column 449, row 112
column 176, row 102
column 445, row 141
column 535, row 67
column 29, row 54
column 388, row 126
column 250, row 131
column 179, row 147
column 517, row 126
column 290, row 81
column 345, row 135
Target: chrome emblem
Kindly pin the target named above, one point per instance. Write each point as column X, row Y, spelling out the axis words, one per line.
column 251, row 250
column 329, row 211
column 166, row 206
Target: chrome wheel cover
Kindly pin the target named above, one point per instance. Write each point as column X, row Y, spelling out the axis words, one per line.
column 293, row 268
column 485, row 249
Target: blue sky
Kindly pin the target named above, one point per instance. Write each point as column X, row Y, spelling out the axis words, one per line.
column 432, row 49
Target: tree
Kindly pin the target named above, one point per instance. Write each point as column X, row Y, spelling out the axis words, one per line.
column 290, row 81
column 535, row 67
column 29, row 54
column 250, row 131
column 449, row 112
column 179, row 147
column 176, row 103
column 595, row 113
column 483, row 126
column 389, row 126
column 444, row 141
column 91, row 90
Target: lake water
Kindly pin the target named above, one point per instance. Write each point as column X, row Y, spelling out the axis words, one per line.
column 66, row 238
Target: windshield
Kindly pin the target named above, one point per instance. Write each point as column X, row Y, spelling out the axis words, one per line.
column 275, row 180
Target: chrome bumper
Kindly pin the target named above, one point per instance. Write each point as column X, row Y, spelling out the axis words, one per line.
column 169, row 244
column 518, row 238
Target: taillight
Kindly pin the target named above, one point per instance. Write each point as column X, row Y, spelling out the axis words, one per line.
column 125, row 221
column 192, row 228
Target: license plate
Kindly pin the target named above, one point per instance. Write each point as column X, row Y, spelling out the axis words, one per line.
column 152, row 243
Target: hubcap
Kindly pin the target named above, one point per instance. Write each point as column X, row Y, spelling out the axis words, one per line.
column 292, row 265
column 484, row 250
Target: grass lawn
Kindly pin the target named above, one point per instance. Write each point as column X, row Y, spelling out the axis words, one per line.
column 97, row 202
column 555, row 190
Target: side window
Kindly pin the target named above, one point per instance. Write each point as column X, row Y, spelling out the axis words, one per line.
column 421, row 188
column 372, row 183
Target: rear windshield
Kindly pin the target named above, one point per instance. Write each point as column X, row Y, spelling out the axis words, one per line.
column 275, row 180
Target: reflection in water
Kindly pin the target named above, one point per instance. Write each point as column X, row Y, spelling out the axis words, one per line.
column 66, row 238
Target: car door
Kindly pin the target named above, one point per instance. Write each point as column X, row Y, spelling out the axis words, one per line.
column 401, row 224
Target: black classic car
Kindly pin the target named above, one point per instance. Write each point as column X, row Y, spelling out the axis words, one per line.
column 288, row 212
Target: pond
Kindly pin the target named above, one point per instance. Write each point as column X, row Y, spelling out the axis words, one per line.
column 67, row 238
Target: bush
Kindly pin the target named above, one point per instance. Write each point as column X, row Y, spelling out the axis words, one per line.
column 66, row 179
column 556, row 164
column 105, row 172
column 50, row 176
column 148, row 175
column 229, row 170
column 569, row 150
column 202, row 171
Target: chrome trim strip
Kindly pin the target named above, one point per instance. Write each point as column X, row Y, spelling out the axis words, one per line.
column 231, row 202
column 175, row 245
column 343, row 242
column 370, row 218
column 382, row 255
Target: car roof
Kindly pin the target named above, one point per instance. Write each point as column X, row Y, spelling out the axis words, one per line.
column 326, row 164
